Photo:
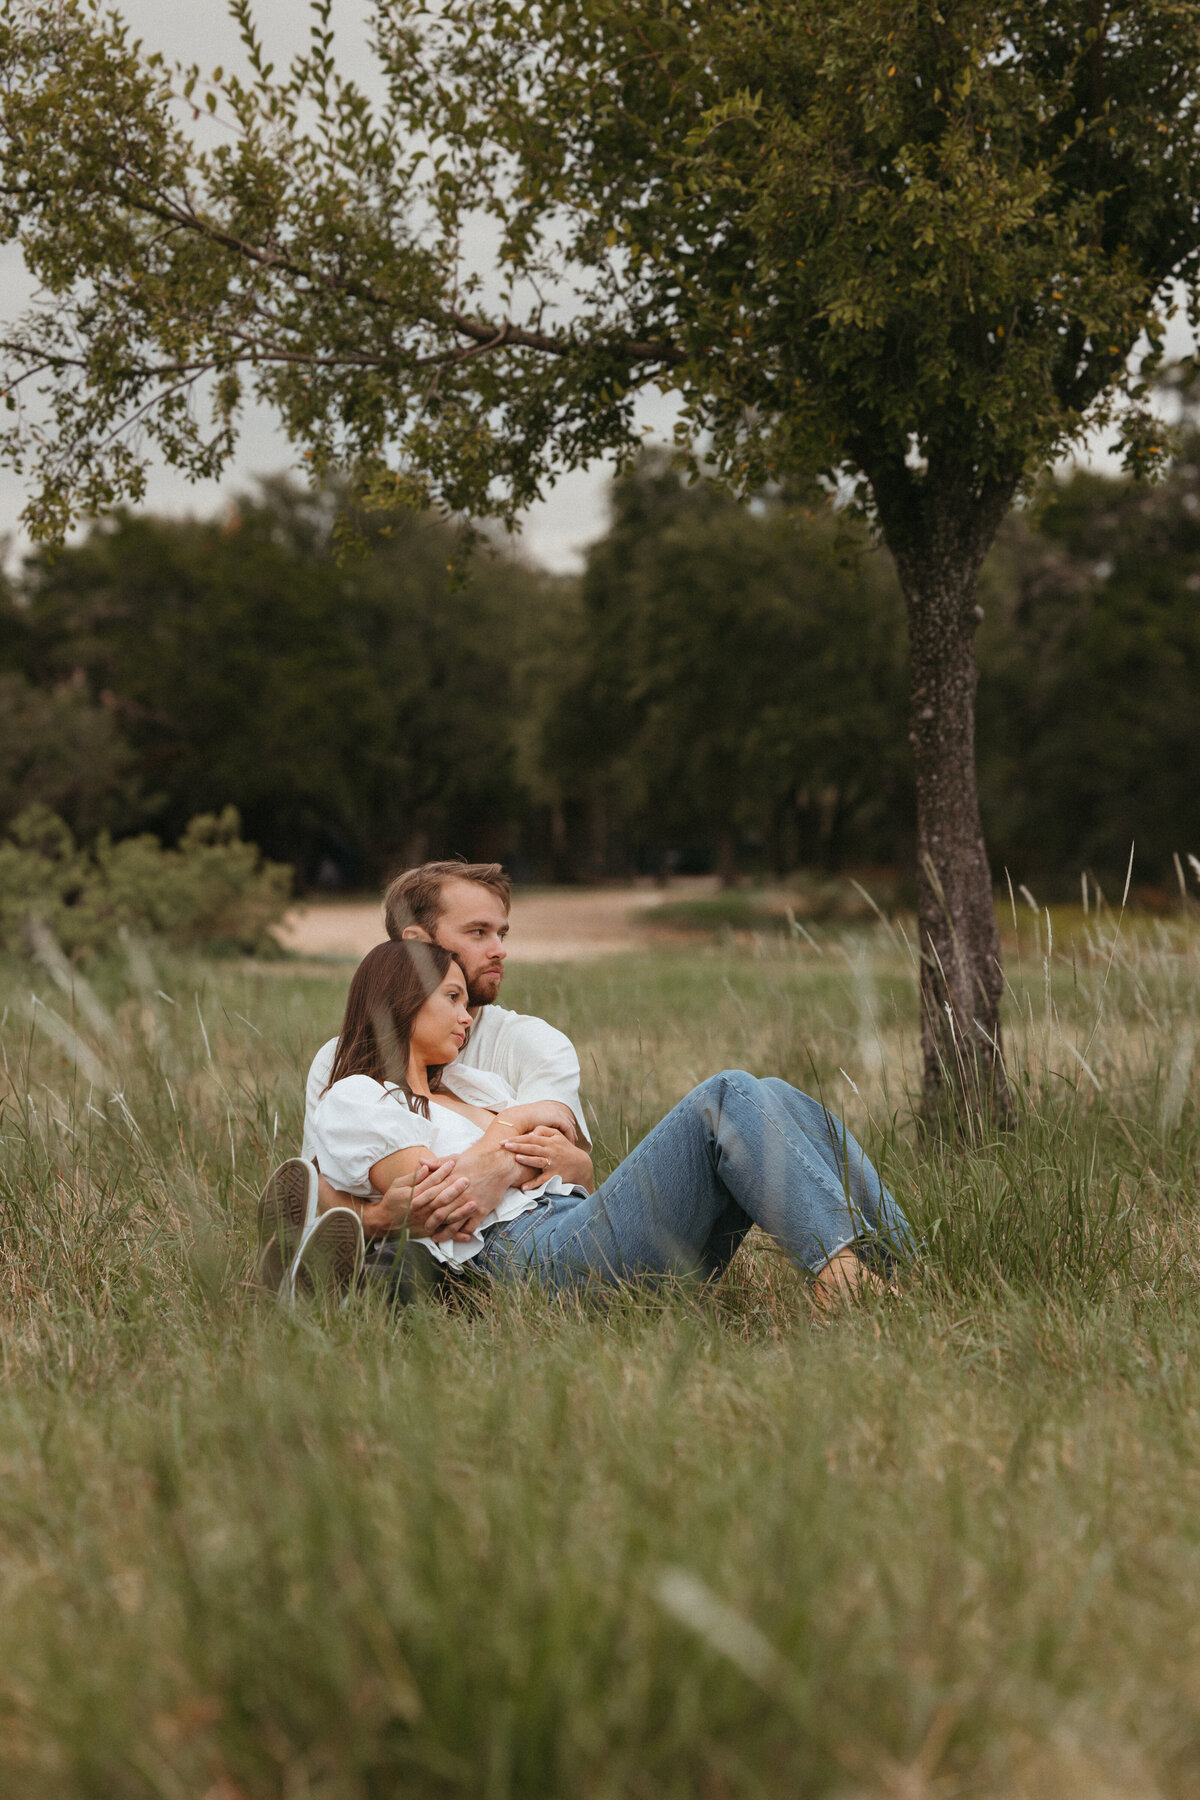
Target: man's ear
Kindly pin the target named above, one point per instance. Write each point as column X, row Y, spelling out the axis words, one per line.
column 415, row 934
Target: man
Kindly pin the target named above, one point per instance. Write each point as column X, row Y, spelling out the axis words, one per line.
column 464, row 907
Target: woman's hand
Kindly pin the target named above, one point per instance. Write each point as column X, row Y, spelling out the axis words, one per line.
column 544, row 1152
column 430, row 1201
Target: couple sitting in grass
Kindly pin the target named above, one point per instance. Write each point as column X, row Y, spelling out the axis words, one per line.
column 444, row 1133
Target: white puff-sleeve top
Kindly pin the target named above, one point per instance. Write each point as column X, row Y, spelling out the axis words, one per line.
column 358, row 1121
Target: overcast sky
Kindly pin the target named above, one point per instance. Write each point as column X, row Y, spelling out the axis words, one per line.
column 557, row 529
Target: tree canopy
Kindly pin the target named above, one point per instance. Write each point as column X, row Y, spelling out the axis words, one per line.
column 844, row 233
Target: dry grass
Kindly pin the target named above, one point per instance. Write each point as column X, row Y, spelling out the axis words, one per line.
column 685, row 1545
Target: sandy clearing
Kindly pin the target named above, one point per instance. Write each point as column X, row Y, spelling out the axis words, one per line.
column 548, row 925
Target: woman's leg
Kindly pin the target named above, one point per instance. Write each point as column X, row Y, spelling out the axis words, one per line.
column 733, row 1153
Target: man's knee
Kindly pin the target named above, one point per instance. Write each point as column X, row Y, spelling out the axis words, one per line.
column 736, row 1081
column 783, row 1090
column 725, row 1096
column 813, row 1113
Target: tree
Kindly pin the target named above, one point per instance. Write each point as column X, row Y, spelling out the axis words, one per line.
column 741, row 675
column 1089, row 731
column 353, row 713
column 909, row 244
column 61, row 751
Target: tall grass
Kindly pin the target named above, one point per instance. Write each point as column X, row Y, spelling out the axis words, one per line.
column 686, row 1544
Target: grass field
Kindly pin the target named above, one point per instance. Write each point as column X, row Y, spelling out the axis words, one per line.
column 688, row 1545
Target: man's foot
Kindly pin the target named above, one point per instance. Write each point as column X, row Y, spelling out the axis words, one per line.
column 844, row 1276
column 287, row 1208
column 329, row 1261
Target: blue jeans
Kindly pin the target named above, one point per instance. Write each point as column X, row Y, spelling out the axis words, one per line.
column 735, row 1152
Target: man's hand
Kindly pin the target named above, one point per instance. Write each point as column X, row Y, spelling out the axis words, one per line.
column 431, row 1202
column 491, row 1174
column 544, row 1152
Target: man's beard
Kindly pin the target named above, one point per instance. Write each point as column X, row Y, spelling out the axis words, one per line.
column 483, row 990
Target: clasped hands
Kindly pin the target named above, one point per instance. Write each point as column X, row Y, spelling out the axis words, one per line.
column 435, row 1201
column 546, row 1151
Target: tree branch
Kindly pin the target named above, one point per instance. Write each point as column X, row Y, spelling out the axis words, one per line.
column 483, row 335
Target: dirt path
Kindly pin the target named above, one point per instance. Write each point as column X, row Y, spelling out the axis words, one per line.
column 548, row 925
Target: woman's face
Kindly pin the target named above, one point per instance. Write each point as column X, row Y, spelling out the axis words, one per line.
column 440, row 1029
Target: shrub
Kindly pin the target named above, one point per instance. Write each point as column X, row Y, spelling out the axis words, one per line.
column 213, row 890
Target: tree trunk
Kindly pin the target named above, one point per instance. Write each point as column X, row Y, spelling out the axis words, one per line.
column 962, row 980
column 938, row 541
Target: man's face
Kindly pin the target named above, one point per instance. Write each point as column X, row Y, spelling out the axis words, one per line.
column 473, row 926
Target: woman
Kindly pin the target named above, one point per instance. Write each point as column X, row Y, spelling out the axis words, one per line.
column 735, row 1152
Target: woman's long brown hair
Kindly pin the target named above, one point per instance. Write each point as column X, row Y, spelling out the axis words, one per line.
column 389, row 987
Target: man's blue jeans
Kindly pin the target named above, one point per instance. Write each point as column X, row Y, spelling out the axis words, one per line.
column 735, row 1152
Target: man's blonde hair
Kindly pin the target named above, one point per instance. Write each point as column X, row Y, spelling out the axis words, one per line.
column 415, row 898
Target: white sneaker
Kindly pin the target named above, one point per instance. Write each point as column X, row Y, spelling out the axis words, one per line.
column 287, row 1211
column 329, row 1261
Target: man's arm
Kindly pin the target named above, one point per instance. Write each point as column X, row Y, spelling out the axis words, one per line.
column 487, row 1169
column 491, row 1163
column 484, row 1173
column 416, row 1190
column 561, row 1118
column 429, row 1200
column 539, row 1063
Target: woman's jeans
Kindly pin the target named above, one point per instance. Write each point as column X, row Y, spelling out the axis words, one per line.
column 735, row 1152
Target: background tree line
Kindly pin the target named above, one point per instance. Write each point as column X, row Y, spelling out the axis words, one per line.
column 724, row 688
